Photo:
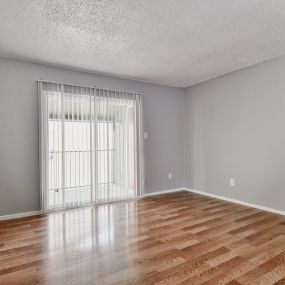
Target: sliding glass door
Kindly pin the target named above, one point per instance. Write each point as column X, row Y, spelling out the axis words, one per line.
column 90, row 145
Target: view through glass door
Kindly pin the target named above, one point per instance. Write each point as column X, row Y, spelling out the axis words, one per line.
column 92, row 145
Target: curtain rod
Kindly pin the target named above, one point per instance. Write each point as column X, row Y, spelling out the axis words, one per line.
column 136, row 93
column 64, row 83
column 84, row 86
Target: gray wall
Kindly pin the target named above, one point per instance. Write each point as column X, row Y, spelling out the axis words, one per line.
column 235, row 127
column 19, row 167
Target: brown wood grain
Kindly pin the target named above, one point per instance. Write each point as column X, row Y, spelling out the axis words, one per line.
column 175, row 238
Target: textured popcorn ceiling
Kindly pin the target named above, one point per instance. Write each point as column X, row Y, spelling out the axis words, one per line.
column 173, row 42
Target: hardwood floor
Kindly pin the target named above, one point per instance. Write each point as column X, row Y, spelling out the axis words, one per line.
column 177, row 238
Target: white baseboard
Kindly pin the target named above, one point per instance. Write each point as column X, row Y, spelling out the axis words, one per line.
column 280, row 212
column 20, row 215
column 163, row 192
column 33, row 213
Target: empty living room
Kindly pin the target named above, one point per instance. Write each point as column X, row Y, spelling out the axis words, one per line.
column 142, row 142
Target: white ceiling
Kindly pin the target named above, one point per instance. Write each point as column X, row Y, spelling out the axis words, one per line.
column 173, row 42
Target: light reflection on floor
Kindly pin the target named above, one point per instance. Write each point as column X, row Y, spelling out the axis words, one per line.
column 90, row 227
column 81, row 240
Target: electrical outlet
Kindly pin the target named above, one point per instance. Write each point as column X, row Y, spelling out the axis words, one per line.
column 145, row 135
column 169, row 175
column 232, row 182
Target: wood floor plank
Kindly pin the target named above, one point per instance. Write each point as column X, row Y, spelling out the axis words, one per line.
column 175, row 238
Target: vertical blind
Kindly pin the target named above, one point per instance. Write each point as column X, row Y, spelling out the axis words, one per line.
column 90, row 145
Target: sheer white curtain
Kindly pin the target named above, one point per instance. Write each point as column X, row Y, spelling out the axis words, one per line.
column 90, row 145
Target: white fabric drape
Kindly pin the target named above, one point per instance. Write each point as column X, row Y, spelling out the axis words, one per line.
column 90, row 145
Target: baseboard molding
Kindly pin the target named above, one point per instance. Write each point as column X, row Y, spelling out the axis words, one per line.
column 280, row 212
column 34, row 213
column 20, row 215
column 163, row 192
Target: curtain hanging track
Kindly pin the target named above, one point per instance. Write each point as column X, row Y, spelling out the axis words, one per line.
column 64, row 83
column 88, row 86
